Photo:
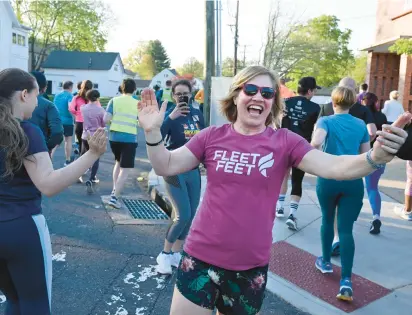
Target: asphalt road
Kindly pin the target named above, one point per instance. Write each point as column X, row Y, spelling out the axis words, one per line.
column 100, row 268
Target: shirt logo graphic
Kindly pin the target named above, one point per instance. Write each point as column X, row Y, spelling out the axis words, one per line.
column 265, row 163
column 242, row 163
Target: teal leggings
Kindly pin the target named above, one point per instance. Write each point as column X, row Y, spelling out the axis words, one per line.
column 184, row 193
column 347, row 197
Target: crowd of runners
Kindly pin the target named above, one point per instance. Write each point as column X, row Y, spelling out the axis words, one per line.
column 220, row 246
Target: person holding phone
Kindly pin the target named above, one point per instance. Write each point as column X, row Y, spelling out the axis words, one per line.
column 182, row 122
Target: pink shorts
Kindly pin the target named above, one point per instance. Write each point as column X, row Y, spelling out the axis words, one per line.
column 408, row 188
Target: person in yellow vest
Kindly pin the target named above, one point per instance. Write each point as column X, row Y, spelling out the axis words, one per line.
column 122, row 115
column 200, row 98
column 167, row 92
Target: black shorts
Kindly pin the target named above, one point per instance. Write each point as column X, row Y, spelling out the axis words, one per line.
column 68, row 130
column 231, row 292
column 124, row 152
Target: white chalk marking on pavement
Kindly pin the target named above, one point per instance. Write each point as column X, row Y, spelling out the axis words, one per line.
column 147, row 272
column 138, row 310
column 121, row 311
column 59, row 256
column 2, row 299
column 139, row 298
column 115, row 299
column 129, row 279
column 150, row 294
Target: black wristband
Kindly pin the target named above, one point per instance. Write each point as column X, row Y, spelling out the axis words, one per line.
column 154, row 144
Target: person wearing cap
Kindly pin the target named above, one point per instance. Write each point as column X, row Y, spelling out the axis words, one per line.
column 359, row 111
column 46, row 115
column 301, row 115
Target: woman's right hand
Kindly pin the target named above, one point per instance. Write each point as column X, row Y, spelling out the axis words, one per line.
column 181, row 109
column 150, row 117
column 98, row 142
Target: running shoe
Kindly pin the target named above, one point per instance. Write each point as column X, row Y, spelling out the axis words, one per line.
column 335, row 249
column 292, row 222
column 280, row 212
column 323, row 266
column 400, row 211
column 89, row 187
column 164, row 264
column 67, row 163
column 375, row 227
column 345, row 291
column 114, row 202
column 175, row 259
column 76, row 149
column 95, row 180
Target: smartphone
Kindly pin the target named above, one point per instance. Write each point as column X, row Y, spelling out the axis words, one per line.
column 184, row 99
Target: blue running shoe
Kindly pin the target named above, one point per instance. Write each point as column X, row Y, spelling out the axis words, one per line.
column 335, row 249
column 345, row 291
column 323, row 266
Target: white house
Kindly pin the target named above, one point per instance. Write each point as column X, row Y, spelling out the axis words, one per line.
column 14, row 48
column 163, row 76
column 128, row 74
column 104, row 69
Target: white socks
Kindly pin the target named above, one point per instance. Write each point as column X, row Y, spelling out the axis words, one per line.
column 294, row 207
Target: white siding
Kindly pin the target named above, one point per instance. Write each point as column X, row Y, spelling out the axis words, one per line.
column 108, row 81
column 161, row 78
column 11, row 54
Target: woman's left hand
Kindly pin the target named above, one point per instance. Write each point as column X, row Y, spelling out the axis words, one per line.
column 390, row 139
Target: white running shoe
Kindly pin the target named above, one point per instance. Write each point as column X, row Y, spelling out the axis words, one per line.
column 400, row 211
column 280, row 212
column 164, row 264
column 175, row 259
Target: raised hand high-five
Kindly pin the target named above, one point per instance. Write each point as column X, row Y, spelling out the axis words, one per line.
column 150, row 117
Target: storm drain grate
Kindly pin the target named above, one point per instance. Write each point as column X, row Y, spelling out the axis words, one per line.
column 145, row 209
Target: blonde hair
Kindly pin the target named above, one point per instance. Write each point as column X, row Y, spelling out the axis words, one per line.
column 228, row 107
column 394, row 95
column 343, row 97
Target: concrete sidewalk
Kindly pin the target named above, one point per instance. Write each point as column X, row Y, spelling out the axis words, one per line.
column 383, row 259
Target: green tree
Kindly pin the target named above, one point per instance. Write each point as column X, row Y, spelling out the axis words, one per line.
column 329, row 59
column 192, row 66
column 74, row 25
column 228, row 66
column 159, row 55
column 402, row 46
column 140, row 60
column 357, row 70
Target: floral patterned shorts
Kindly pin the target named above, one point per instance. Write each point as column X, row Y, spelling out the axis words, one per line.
column 231, row 292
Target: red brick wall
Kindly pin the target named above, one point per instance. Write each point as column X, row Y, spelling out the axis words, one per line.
column 383, row 74
column 405, row 82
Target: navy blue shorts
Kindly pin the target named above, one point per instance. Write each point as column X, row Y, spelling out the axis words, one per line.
column 26, row 265
column 68, row 130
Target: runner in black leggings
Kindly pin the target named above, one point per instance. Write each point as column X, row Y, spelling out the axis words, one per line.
column 26, row 172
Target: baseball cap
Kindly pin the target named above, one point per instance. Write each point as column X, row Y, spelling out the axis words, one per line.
column 309, row 83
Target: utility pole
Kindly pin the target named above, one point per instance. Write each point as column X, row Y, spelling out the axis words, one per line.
column 218, row 24
column 210, row 58
column 244, row 55
column 236, row 38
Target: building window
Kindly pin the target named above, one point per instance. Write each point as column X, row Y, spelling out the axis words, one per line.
column 14, row 38
column 377, row 63
column 95, row 85
column 392, row 84
column 410, row 106
column 383, row 86
column 375, row 86
column 116, row 67
column 166, row 75
column 21, row 40
column 60, row 84
column 385, row 65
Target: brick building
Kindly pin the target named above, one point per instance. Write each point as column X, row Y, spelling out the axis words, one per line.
column 387, row 71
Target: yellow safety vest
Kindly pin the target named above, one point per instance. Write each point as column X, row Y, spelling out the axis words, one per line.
column 167, row 95
column 124, row 115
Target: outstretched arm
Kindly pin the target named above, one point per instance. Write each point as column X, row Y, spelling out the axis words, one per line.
column 347, row 167
column 164, row 162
